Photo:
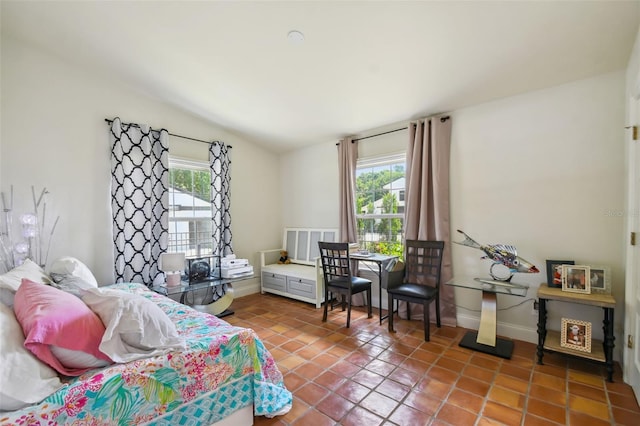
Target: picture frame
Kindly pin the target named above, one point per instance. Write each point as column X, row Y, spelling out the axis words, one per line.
column 600, row 279
column 575, row 279
column 576, row 334
column 554, row 272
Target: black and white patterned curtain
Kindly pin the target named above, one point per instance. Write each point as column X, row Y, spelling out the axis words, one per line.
column 139, row 200
column 220, row 198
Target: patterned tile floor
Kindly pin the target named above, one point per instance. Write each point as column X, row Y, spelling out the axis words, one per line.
column 366, row 376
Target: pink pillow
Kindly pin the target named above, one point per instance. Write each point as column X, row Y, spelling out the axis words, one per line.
column 49, row 316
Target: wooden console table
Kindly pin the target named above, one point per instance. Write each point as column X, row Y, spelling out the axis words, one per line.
column 550, row 340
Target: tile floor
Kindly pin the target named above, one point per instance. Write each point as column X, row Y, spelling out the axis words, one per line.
column 366, row 376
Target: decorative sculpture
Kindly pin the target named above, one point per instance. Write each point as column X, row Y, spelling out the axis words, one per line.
column 501, row 254
column 34, row 240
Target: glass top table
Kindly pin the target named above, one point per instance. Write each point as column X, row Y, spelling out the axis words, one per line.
column 184, row 285
column 490, row 285
column 218, row 297
column 485, row 339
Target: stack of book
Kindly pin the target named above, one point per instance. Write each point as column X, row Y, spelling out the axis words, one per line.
column 230, row 267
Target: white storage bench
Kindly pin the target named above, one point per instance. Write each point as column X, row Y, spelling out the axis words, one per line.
column 302, row 278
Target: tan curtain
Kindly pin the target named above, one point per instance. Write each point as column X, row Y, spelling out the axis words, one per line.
column 427, row 202
column 347, row 157
column 347, row 160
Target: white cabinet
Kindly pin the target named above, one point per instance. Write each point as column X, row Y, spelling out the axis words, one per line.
column 302, row 278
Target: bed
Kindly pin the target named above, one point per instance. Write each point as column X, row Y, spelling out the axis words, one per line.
column 225, row 372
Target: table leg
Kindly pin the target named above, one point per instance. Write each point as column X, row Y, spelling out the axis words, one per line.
column 542, row 328
column 488, row 324
column 607, row 327
column 485, row 340
column 380, row 291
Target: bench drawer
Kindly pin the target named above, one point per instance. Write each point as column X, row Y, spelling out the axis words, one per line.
column 274, row 281
column 301, row 287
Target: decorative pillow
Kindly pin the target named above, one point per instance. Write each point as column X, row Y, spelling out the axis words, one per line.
column 10, row 281
column 49, row 316
column 25, row 380
column 135, row 326
column 70, row 266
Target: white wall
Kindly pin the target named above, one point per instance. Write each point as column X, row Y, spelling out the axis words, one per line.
column 542, row 171
column 54, row 135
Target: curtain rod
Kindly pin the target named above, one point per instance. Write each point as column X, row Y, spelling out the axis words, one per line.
column 442, row 120
column 171, row 134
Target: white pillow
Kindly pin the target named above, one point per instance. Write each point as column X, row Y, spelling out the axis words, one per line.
column 25, row 380
column 10, row 281
column 70, row 266
column 77, row 359
column 135, row 327
column 71, row 284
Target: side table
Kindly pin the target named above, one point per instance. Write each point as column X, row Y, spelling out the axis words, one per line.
column 381, row 260
column 220, row 289
column 485, row 339
column 550, row 340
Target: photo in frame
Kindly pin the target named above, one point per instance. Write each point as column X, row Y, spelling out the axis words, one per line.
column 576, row 334
column 575, row 278
column 600, row 279
column 554, row 272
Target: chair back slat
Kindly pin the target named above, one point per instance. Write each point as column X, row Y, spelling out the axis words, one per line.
column 335, row 261
column 423, row 260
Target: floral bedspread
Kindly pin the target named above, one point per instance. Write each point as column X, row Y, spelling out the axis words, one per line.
column 140, row 391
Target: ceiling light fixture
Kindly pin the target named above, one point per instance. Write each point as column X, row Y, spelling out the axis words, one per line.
column 295, row 37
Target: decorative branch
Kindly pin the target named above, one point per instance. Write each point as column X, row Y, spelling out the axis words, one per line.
column 33, row 230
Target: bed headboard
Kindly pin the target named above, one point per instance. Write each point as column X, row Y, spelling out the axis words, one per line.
column 302, row 243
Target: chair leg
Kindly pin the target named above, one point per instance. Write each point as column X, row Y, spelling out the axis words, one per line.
column 426, row 321
column 348, row 312
column 390, row 308
column 438, row 310
column 408, row 310
column 369, row 304
column 343, row 302
column 327, row 301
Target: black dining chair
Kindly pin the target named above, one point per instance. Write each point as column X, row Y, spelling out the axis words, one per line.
column 338, row 278
column 421, row 280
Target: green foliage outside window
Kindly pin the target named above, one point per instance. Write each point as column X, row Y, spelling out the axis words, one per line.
column 194, row 182
column 390, row 248
column 369, row 190
column 369, row 186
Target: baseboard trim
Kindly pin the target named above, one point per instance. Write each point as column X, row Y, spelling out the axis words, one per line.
column 246, row 287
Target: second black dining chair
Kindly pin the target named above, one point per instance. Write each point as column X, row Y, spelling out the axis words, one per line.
column 421, row 281
column 339, row 279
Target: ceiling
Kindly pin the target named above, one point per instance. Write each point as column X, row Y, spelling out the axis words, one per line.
column 361, row 66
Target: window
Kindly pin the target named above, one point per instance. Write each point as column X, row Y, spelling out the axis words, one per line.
column 380, row 186
column 190, row 207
